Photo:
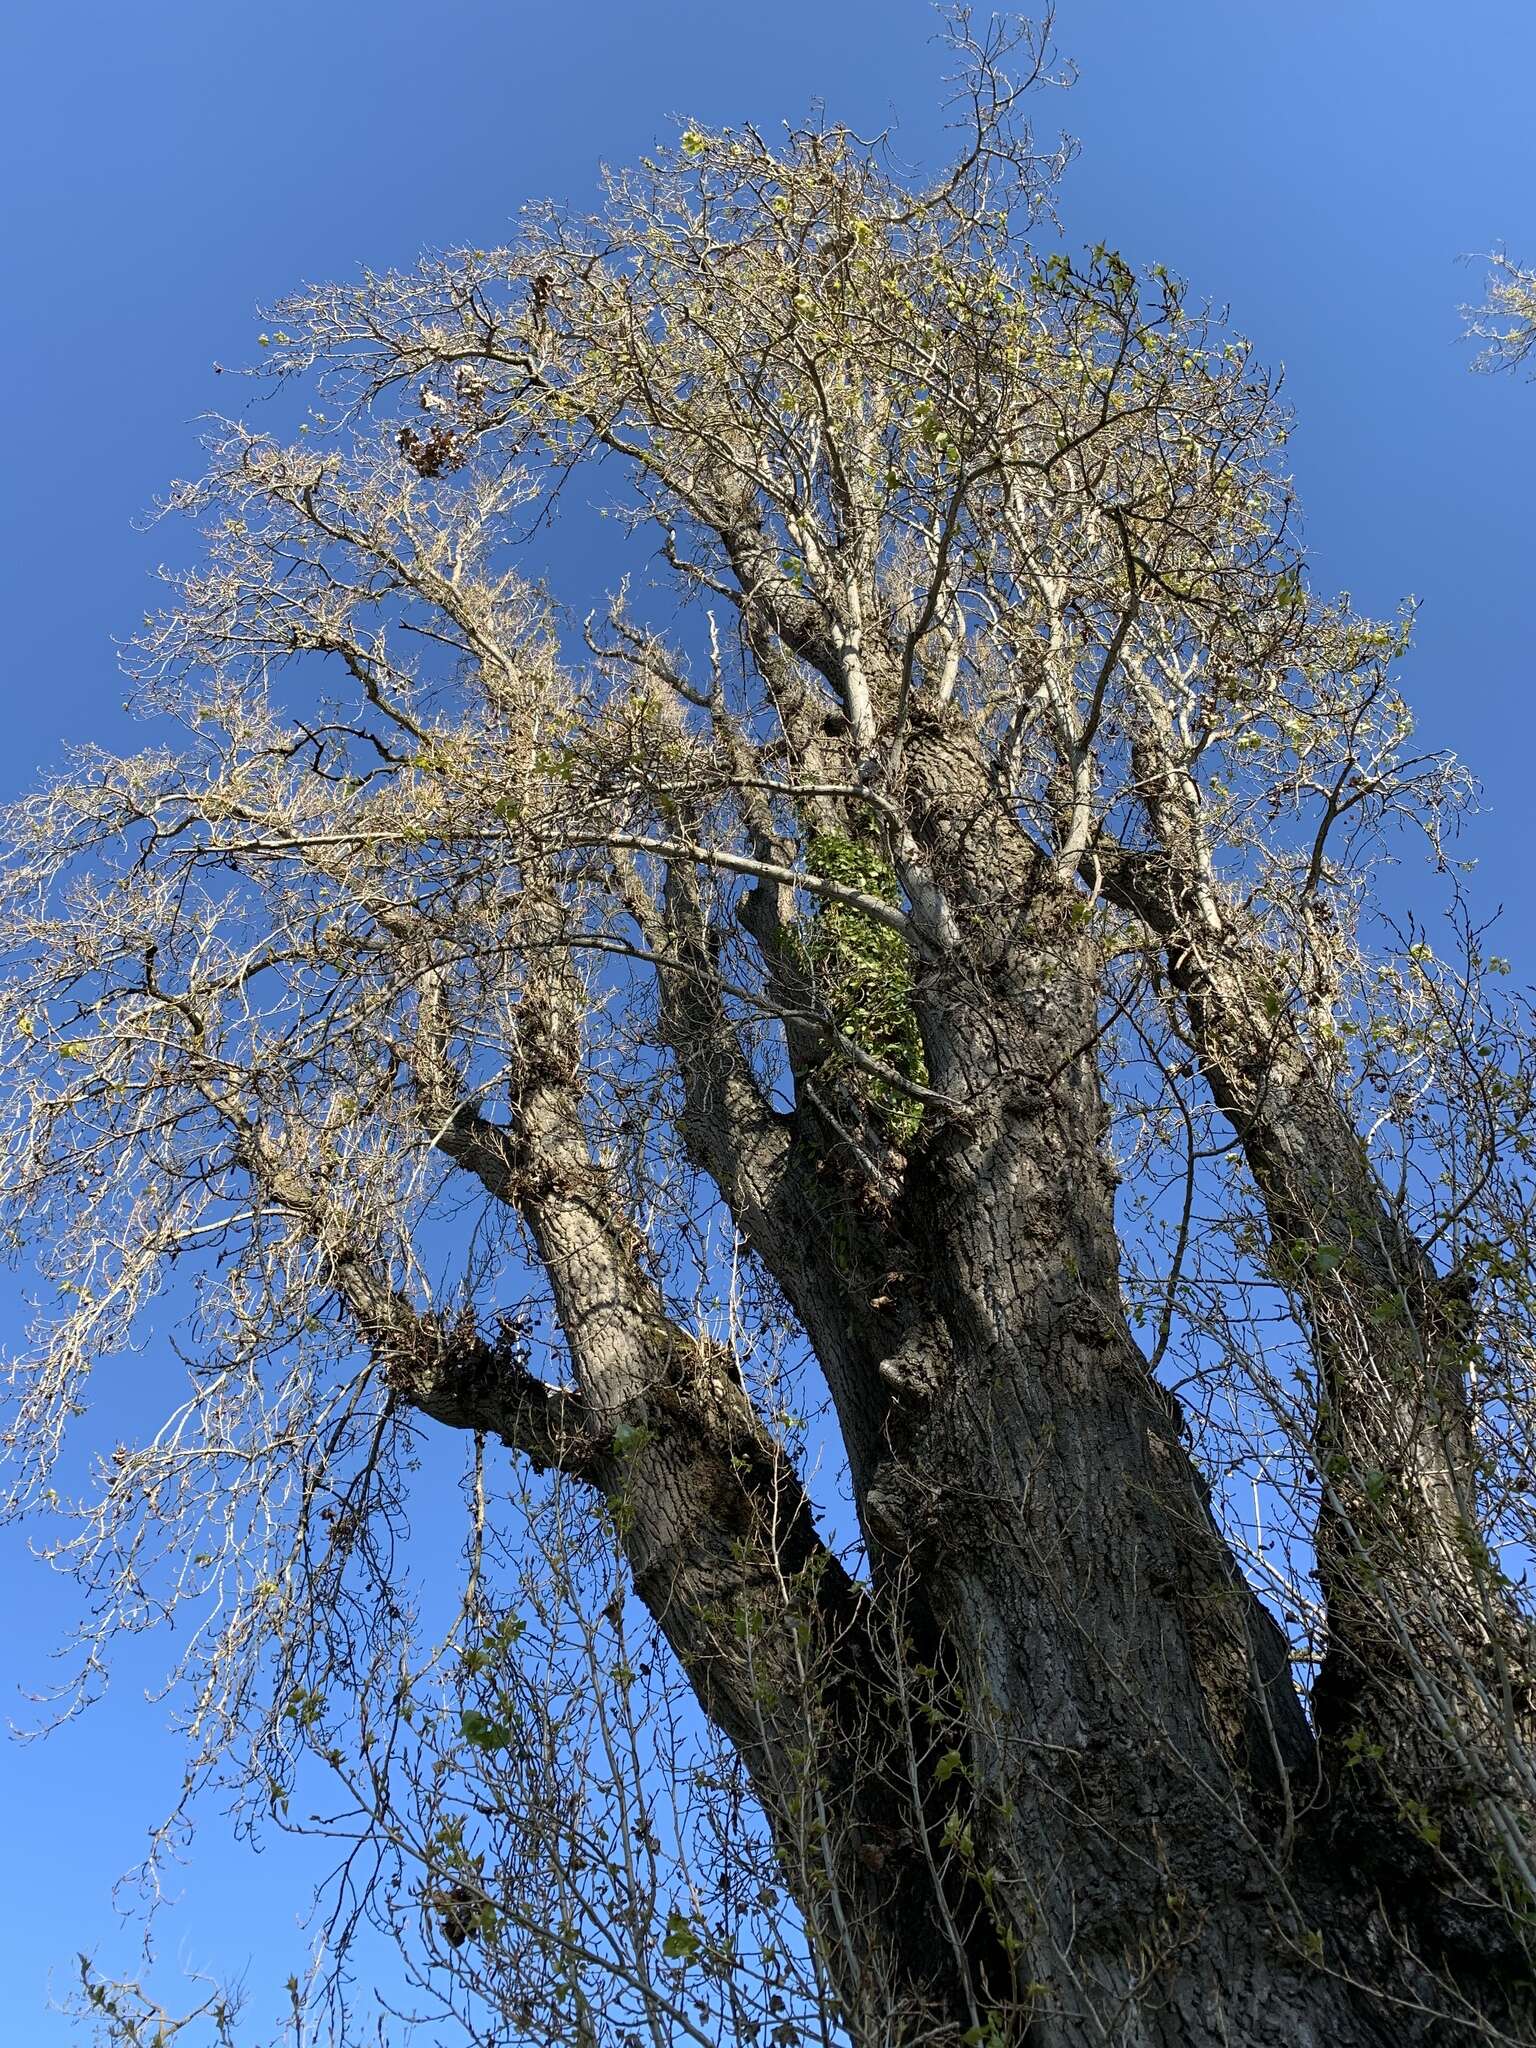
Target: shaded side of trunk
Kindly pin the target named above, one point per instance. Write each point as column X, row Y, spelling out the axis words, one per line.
column 1422, row 1703
column 1105, row 1759
column 784, row 1651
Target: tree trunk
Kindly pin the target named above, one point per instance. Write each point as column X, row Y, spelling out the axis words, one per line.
column 1049, row 1775
column 1109, row 1822
column 1423, row 1721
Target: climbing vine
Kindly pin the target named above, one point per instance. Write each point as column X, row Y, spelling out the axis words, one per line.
column 861, row 974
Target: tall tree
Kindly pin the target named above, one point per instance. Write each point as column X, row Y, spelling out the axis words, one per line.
column 922, row 947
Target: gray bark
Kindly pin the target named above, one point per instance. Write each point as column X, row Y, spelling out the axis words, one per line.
column 1142, row 1842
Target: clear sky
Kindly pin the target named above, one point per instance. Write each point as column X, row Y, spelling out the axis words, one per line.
column 166, row 167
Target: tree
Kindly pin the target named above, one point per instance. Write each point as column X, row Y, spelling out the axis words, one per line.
column 921, row 952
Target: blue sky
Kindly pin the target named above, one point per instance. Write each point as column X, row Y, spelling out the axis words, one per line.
column 167, row 167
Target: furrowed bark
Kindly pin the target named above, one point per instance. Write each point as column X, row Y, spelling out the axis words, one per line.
column 777, row 1174
column 1422, row 1703
column 1130, row 1731
column 1135, row 1729
column 1122, row 1702
column 785, row 1652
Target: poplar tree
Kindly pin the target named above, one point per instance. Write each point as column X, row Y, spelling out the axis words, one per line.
column 867, row 1080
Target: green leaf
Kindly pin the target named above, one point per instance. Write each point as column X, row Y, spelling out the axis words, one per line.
column 483, row 1732
column 681, row 1943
